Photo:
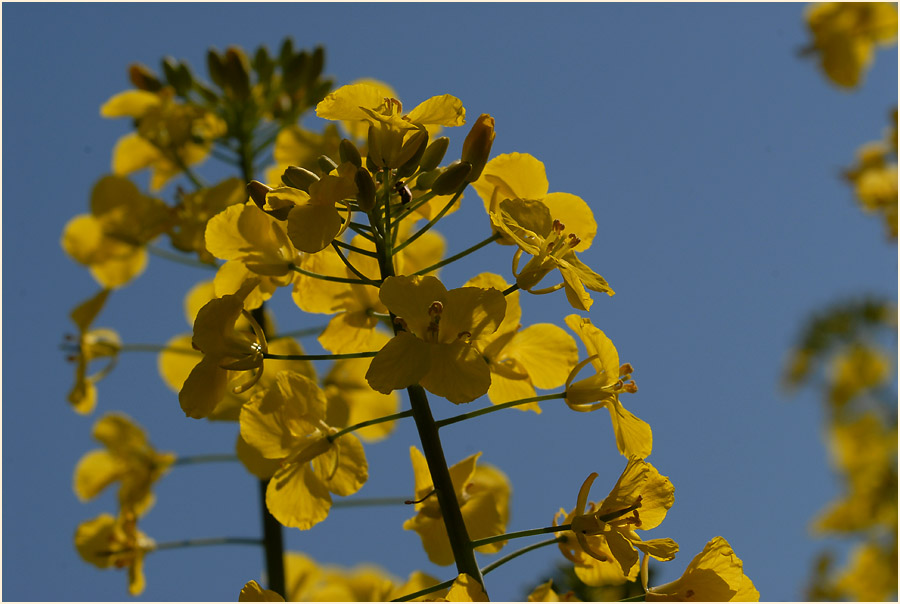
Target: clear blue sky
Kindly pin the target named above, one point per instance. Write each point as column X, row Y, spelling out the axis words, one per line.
column 709, row 152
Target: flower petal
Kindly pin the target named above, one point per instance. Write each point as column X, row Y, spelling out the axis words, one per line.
column 402, row 362
column 457, row 372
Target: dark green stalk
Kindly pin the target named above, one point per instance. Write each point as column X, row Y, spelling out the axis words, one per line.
column 517, row 553
column 319, row 357
column 212, row 457
column 519, row 534
column 370, row 422
column 206, row 542
column 501, row 406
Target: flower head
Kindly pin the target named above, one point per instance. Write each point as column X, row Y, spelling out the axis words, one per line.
column 87, row 346
column 115, row 542
column 435, row 347
column 606, row 544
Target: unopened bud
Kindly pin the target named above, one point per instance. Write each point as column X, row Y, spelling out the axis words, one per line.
column 349, row 153
column 216, row 67
column 326, row 164
column 412, row 164
column 298, row 178
column 414, row 145
column 374, row 149
column 365, row 190
column 143, row 78
column 258, row 192
column 477, row 147
column 237, row 72
column 426, row 179
column 451, row 178
column 433, row 155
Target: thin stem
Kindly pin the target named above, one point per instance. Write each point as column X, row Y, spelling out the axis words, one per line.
column 423, row 592
column 510, row 289
column 518, row 534
column 207, row 541
column 300, row 333
column 370, row 422
column 350, row 266
column 415, row 205
column 432, row 222
column 209, row 458
column 461, row 254
column 179, row 258
column 156, row 348
column 364, row 234
column 353, row 248
column 319, row 357
column 517, row 553
column 332, row 278
column 367, row 501
column 493, row 408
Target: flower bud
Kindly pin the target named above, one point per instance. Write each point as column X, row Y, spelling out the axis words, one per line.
column 298, row 178
column 365, row 190
column 349, row 153
column 452, row 178
column 143, row 78
column 178, row 75
column 434, row 154
column 412, row 164
column 215, row 67
column 326, row 164
column 477, row 147
column 411, row 147
column 258, row 192
column 426, row 179
column 237, row 72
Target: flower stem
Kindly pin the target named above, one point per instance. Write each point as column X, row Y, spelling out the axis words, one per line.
column 210, row 458
column 518, row 534
column 207, row 541
column 354, row 248
column 370, row 422
column 517, row 553
column 318, row 357
column 296, row 268
column 367, row 501
column 456, row 257
column 300, row 333
column 156, row 348
column 179, row 258
column 493, row 408
column 423, row 592
column 510, row 289
column 433, row 221
column 350, row 266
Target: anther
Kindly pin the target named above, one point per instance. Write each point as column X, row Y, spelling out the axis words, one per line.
column 626, row 369
column 558, row 227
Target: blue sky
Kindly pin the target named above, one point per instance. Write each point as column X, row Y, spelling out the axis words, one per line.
column 709, row 153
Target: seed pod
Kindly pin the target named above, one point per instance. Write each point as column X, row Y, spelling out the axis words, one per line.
column 451, row 178
column 298, row 178
column 433, row 155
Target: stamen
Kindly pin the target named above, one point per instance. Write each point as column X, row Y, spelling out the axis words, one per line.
column 401, row 322
column 558, row 227
column 413, row 502
column 626, row 369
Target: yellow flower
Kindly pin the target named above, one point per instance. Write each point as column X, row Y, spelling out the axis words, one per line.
column 483, row 496
column 252, row 592
column 394, row 137
column 351, row 400
column 314, row 220
column 165, row 140
column 540, row 355
column 128, row 458
column 871, row 573
column 605, row 544
column 287, row 423
column 529, row 224
column 875, row 179
column 633, row 435
column 91, row 344
column 857, row 369
column 110, row 240
column 194, row 211
column 106, row 541
column 223, row 349
column 255, row 246
column 435, row 347
column 845, row 35
column 714, row 575
column 545, row 593
column 464, row 589
column 295, row 146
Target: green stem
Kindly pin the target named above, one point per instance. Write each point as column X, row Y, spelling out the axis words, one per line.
column 501, row 406
column 367, row 501
column 386, row 225
column 300, row 333
column 319, row 357
column 518, row 534
column 350, row 266
column 179, row 258
column 335, row 279
column 370, row 422
column 510, row 289
column 353, row 248
column 456, row 257
column 210, row 458
column 517, row 553
column 432, row 222
column 415, row 205
column 156, row 348
column 424, row 592
column 207, row 542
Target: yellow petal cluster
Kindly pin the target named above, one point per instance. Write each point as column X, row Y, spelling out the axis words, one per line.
column 89, row 345
column 108, row 541
column 716, row 574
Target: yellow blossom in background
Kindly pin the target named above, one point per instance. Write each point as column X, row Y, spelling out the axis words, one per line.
column 128, row 458
column 871, row 575
column 529, row 224
column 110, row 240
column 223, row 349
column 856, row 370
column 286, row 423
column 483, row 495
column 167, row 131
column 464, row 589
column 874, row 177
column 540, row 355
column 90, row 345
column 714, row 575
column 351, row 400
column 435, row 347
column 195, row 209
column 603, row 542
column 295, row 146
column 634, row 438
column 522, row 176
column 845, row 35
column 545, row 593
column 108, row 542
column 252, row 592
column 315, row 219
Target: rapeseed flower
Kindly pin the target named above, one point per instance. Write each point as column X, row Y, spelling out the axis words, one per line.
column 106, row 541
column 89, row 345
column 716, row 574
